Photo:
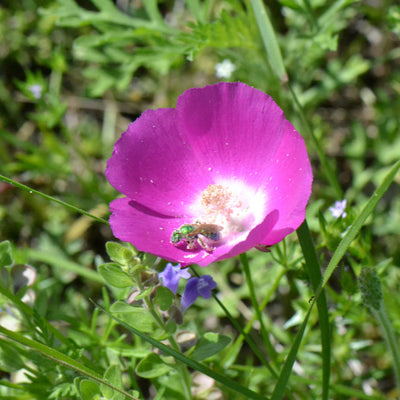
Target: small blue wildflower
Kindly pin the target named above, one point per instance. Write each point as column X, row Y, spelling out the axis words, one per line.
column 36, row 90
column 338, row 209
column 171, row 275
column 197, row 287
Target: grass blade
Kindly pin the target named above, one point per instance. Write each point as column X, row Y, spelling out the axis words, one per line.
column 47, row 197
column 271, row 351
column 314, row 273
column 275, row 59
column 56, row 261
column 269, row 39
column 358, row 223
column 281, row 385
column 228, row 383
column 61, row 358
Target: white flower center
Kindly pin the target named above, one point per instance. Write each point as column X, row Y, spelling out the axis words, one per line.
column 233, row 205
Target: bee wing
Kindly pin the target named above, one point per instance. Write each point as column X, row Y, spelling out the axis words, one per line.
column 195, row 232
column 216, row 228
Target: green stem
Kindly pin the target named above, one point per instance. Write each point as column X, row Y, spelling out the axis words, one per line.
column 391, row 340
column 61, row 358
column 310, row 15
column 274, row 56
column 183, row 371
column 268, row 37
column 314, row 272
column 242, row 333
column 222, row 379
column 56, row 261
column 56, row 82
column 326, row 166
column 247, row 328
column 355, row 227
column 30, row 314
column 267, row 342
column 248, row 340
column 47, row 197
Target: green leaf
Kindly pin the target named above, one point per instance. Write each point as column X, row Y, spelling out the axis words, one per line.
column 149, row 259
column 88, row 390
column 119, row 253
column 228, row 383
column 45, row 196
column 144, row 293
column 114, row 276
column 353, row 230
column 114, row 377
column 114, row 251
column 282, row 383
column 152, row 366
column 269, row 39
column 314, row 272
column 59, row 357
column 136, row 317
column 10, row 357
column 5, row 254
column 210, row 344
column 164, row 298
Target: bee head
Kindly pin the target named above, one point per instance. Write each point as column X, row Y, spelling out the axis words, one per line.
column 176, row 236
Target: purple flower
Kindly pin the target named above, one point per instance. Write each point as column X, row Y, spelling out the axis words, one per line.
column 338, row 209
column 171, row 275
column 197, row 287
column 220, row 174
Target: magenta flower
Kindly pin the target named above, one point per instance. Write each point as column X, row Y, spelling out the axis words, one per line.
column 220, row 174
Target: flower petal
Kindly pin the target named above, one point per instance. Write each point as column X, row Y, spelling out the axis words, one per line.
column 239, row 244
column 154, row 165
column 255, row 237
column 205, row 285
column 289, row 185
column 171, row 276
column 220, row 136
column 190, row 294
column 240, row 132
column 151, row 232
column 233, row 129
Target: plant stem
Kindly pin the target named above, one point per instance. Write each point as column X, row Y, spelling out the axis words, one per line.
column 243, row 334
column 267, row 342
column 268, row 37
column 391, row 340
column 327, row 167
column 274, row 56
column 183, row 371
column 47, row 197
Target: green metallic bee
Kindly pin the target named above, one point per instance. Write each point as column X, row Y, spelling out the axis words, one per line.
column 197, row 233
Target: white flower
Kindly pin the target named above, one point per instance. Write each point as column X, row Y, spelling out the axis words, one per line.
column 36, row 90
column 224, row 69
column 338, row 209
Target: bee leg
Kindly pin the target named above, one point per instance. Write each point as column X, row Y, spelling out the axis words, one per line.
column 203, row 243
column 264, row 248
column 191, row 244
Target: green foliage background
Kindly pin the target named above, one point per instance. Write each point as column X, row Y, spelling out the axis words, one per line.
column 99, row 65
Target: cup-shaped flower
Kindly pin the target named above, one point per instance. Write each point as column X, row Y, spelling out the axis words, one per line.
column 220, row 174
column 197, row 287
column 171, row 276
